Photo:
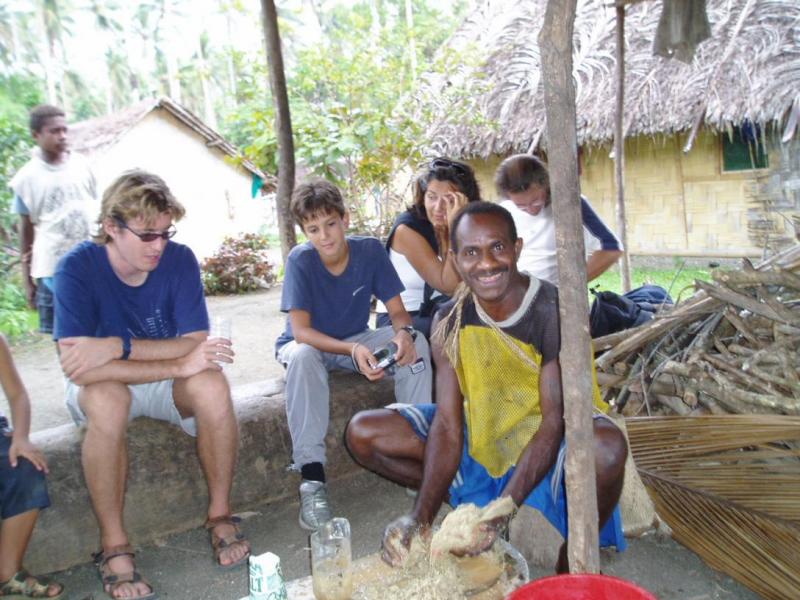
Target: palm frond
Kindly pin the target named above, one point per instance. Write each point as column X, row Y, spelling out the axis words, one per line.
column 749, row 69
column 729, row 487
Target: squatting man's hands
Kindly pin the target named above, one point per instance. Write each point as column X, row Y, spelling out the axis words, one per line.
column 397, row 537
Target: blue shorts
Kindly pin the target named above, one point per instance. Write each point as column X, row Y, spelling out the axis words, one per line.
column 44, row 304
column 473, row 483
column 22, row 488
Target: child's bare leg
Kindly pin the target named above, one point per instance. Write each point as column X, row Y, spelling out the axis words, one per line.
column 14, row 535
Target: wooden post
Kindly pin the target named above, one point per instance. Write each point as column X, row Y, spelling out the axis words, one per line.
column 283, row 126
column 619, row 147
column 555, row 45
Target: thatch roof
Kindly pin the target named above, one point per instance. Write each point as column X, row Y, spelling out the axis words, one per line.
column 748, row 70
column 96, row 135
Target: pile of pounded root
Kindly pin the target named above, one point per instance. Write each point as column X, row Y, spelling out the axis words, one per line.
column 431, row 572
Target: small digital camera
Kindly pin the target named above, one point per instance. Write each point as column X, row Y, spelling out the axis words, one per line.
column 386, row 356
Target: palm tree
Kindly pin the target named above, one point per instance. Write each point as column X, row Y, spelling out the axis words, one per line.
column 108, row 26
column 56, row 22
column 166, row 11
column 119, row 76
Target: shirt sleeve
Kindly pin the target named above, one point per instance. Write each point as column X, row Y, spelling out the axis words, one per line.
column 191, row 313
column 296, row 289
column 19, row 206
column 74, row 315
column 594, row 226
column 386, row 282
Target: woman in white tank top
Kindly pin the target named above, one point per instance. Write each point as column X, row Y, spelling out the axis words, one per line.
column 419, row 241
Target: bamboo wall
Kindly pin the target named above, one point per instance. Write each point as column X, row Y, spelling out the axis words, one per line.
column 677, row 204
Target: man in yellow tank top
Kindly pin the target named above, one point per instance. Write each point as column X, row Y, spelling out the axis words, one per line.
column 498, row 428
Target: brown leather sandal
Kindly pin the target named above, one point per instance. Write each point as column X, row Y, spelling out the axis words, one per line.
column 111, row 580
column 219, row 543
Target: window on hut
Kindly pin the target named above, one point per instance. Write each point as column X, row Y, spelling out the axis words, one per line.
column 743, row 149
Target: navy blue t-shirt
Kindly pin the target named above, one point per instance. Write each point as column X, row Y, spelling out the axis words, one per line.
column 90, row 300
column 338, row 304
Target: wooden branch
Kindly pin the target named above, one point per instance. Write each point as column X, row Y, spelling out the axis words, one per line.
column 728, row 295
column 609, row 341
column 690, row 396
column 738, row 374
column 688, row 311
column 722, row 390
column 711, row 404
column 771, row 351
column 703, row 339
column 777, row 277
column 731, row 393
column 740, row 325
column 674, row 403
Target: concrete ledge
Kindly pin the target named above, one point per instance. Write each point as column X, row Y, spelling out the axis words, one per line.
column 166, row 488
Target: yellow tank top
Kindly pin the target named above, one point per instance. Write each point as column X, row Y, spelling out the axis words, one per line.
column 501, row 389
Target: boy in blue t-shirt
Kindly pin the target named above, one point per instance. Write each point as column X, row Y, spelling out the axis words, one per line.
column 328, row 286
column 132, row 327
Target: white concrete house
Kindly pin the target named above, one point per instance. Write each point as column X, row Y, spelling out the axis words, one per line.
column 222, row 193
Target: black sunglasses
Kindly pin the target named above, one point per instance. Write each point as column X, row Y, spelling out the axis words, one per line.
column 149, row 236
column 443, row 163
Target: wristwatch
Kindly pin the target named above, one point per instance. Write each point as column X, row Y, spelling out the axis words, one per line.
column 126, row 348
column 410, row 330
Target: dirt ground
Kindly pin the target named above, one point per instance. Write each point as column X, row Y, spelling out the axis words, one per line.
column 256, row 323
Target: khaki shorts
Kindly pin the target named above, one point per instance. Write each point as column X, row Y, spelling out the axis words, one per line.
column 152, row 400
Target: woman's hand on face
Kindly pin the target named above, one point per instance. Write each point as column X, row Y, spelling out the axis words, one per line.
column 455, row 202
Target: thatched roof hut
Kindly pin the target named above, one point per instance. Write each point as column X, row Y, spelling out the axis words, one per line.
column 748, row 71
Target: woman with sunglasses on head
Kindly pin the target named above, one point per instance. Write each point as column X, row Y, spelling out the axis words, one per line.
column 418, row 242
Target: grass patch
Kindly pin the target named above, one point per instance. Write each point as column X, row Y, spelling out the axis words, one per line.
column 678, row 282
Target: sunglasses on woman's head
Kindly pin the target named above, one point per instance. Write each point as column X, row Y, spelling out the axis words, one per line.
column 148, row 236
column 443, row 163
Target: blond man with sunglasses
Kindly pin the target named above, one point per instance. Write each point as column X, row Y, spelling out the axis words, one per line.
column 131, row 325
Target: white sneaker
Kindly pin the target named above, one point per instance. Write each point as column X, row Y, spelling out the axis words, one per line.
column 315, row 508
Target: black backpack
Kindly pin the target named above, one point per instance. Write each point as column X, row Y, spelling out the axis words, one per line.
column 611, row 312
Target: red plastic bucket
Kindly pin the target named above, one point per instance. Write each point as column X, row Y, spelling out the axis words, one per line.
column 580, row 587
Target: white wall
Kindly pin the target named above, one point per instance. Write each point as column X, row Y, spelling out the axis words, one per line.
column 216, row 194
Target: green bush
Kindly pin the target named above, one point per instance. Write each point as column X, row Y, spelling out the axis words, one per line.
column 14, row 317
column 239, row 265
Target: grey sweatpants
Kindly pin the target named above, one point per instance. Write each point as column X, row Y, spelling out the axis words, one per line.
column 308, row 395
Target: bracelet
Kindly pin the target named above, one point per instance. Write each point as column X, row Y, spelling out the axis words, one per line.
column 409, row 329
column 353, row 357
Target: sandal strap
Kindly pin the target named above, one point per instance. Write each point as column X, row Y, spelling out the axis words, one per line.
column 223, row 520
column 106, row 554
column 219, row 543
column 113, row 579
column 29, row 585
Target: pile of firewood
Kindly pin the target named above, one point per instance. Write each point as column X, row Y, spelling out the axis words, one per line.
column 730, row 348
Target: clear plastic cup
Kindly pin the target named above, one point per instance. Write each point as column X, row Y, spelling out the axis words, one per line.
column 220, row 327
column 331, row 561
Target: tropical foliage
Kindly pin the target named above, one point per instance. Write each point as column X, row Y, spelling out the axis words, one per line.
column 346, row 93
column 17, row 95
column 239, row 265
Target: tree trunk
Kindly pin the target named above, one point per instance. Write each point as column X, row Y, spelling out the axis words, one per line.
column 208, row 102
column 555, row 45
column 619, row 150
column 283, row 126
column 412, row 46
